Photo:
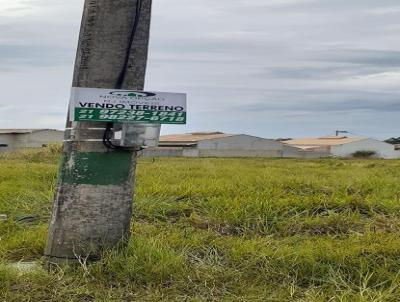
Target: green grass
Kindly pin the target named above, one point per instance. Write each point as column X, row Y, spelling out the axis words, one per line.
column 219, row 230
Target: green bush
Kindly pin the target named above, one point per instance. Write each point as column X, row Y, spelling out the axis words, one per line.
column 364, row 154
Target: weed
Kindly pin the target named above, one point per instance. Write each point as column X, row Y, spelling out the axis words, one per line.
column 218, row 230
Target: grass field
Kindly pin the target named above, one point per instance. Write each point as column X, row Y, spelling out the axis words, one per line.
column 219, row 230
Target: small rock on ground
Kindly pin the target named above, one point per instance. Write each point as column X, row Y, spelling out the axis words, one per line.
column 25, row 266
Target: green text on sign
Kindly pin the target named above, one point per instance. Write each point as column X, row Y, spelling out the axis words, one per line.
column 129, row 116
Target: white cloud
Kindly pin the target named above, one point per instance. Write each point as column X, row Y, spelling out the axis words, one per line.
column 384, row 10
column 14, row 8
column 379, row 81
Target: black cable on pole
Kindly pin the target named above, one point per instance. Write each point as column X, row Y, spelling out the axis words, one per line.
column 106, row 136
column 121, row 78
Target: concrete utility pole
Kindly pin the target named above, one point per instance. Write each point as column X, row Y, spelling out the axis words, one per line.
column 93, row 203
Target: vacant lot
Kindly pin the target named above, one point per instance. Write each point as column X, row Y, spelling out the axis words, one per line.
column 219, row 230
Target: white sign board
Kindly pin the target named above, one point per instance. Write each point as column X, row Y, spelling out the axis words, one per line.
column 127, row 106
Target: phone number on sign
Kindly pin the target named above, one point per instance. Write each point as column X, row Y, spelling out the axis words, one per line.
column 130, row 115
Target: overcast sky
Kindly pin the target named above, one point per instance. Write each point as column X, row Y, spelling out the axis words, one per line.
column 272, row 68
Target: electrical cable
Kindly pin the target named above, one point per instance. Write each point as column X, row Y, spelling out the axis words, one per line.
column 107, row 137
column 121, row 78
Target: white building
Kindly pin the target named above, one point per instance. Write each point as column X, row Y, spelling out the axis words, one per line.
column 343, row 146
column 13, row 139
column 217, row 144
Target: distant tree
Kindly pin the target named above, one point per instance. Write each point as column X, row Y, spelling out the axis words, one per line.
column 364, row 154
column 393, row 140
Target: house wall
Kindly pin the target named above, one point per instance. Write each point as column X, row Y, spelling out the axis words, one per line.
column 9, row 140
column 382, row 149
column 191, row 152
column 36, row 139
column 162, row 152
column 239, row 153
column 239, row 142
column 235, row 146
column 250, row 146
column 239, row 146
column 292, row 152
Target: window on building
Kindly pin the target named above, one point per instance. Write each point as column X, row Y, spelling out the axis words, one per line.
column 3, row 145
